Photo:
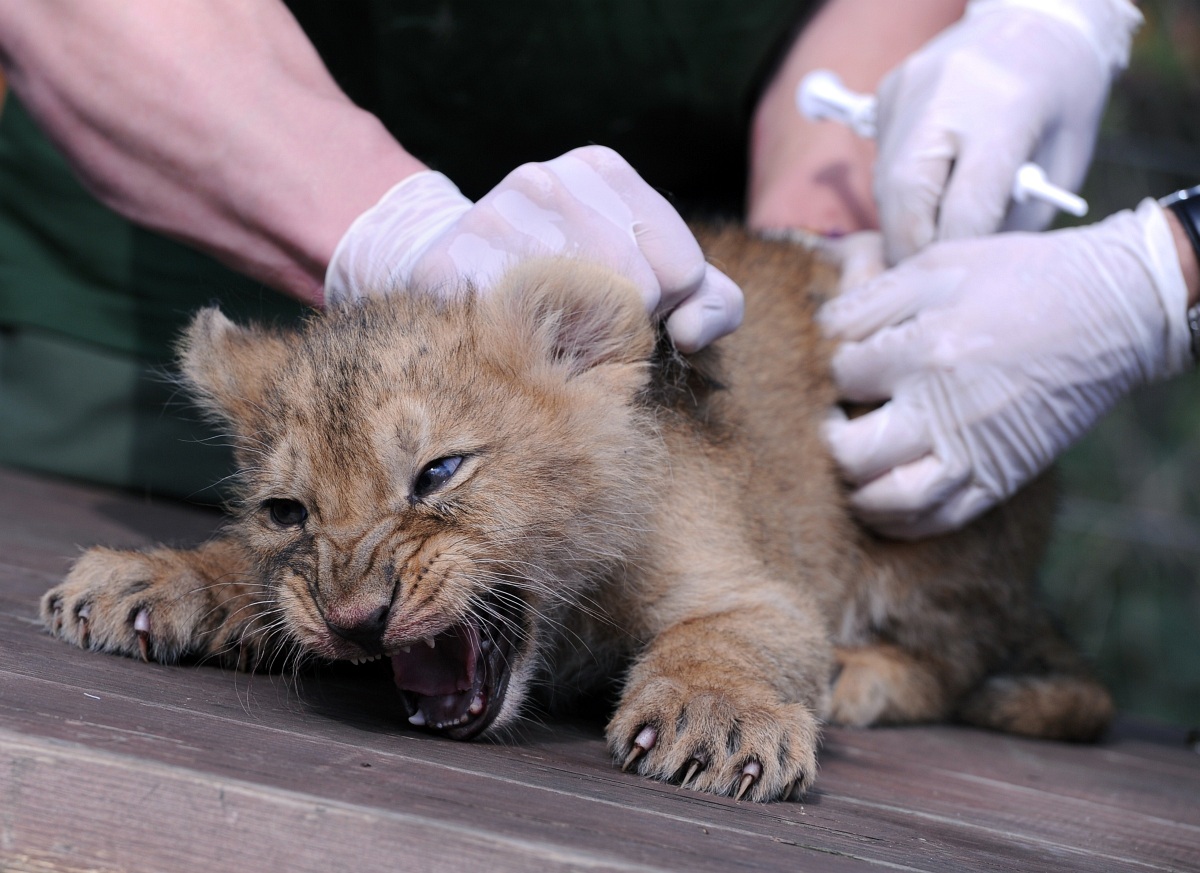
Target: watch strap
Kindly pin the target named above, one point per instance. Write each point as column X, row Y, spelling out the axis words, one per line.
column 1186, row 206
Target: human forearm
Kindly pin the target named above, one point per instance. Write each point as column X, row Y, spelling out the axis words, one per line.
column 213, row 121
column 817, row 175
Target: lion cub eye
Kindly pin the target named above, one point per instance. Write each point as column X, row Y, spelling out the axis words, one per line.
column 286, row 513
column 435, row 475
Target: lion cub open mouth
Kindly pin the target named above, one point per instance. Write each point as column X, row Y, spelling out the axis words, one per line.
column 455, row 682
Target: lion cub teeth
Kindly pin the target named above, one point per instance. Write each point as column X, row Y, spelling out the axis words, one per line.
column 429, row 642
column 476, row 706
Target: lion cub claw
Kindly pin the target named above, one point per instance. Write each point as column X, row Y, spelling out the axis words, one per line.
column 159, row 605
column 739, row 742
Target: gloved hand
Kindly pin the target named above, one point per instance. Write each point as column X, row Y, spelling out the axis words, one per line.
column 587, row 203
column 994, row 355
column 858, row 256
column 1013, row 81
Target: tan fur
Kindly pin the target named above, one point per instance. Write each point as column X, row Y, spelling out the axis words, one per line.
column 618, row 514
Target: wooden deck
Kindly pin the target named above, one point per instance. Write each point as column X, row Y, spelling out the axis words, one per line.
column 110, row 764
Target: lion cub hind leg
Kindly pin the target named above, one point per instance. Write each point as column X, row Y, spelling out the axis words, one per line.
column 883, row 684
column 1050, row 693
column 161, row 604
column 703, row 707
column 1061, row 707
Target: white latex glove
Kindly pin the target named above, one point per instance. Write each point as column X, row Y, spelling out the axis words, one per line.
column 588, row 203
column 858, row 256
column 1013, row 81
column 994, row 355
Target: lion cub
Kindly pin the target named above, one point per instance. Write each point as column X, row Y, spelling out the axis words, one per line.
column 530, row 488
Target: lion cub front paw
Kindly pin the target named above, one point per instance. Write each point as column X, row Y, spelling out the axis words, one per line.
column 739, row 742
column 151, row 605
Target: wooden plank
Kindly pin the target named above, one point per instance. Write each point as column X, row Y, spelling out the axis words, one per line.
column 860, row 811
column 1154, row 779
column 107, row 763
column 122, row 812
column 522, row 792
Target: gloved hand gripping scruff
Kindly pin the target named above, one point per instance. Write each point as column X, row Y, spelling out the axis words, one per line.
column 1013, row 81
column 588, row 203
column 994, row 355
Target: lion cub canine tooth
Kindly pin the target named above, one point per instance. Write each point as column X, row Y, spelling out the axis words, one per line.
column 429, row 642
column 417, row 719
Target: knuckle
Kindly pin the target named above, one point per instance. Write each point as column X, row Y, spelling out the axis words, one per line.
column 528, row 178
column 600, row 158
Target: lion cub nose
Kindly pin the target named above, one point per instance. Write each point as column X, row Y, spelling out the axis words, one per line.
column 365, row 631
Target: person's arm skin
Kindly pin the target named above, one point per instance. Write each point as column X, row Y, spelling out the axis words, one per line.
column 213, row 121
column 817, row 175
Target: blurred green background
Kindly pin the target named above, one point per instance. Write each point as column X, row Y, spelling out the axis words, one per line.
column 1124, row 569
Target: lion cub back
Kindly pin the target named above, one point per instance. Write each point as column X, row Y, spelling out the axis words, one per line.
column 947, row 627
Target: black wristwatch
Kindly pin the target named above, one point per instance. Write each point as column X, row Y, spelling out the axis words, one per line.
column 1186, row 206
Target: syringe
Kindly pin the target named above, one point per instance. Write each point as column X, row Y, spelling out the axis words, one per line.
column 821, row 95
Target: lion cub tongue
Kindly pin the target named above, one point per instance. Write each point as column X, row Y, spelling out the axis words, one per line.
column 445, row 669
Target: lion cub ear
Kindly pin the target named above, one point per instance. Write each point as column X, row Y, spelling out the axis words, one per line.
column 579, row 314
column 228, row 367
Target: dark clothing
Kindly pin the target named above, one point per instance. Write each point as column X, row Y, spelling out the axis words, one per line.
column 90, row 304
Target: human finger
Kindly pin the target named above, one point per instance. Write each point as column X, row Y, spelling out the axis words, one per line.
column 889, row 299
column 870, row 371
column 868, row 446
column 715, row 310
column 604, row 182
column 904, row 495
column 961, row 507
column 978, row 191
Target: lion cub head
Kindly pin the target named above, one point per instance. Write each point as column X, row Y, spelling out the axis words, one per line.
column 435, row 481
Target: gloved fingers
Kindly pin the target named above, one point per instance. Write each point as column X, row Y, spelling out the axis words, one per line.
column 715, row 309
column 887, row 300
column 868, row 446
column 960, row 508
column 1031, row 216
column 378, row 250
column 461, row 260
column 859, row 257
column 531, row 214
column 519, row 217
column 978, row 192
column 870, row 371
column 903, row 497
column 910, row 177
column 604, row 182
column 908, row 205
